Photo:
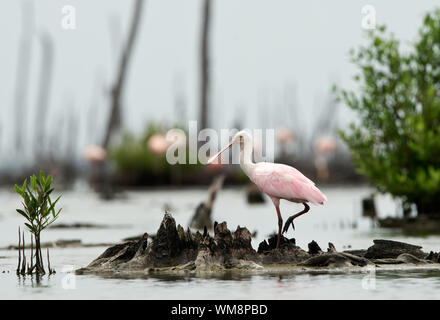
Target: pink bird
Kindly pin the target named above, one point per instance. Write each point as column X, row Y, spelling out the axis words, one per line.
column 158, row 144
column 325, row 145
column 278, row 181
column 95, row 154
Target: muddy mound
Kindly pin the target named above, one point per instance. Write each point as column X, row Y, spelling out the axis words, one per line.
column 174, row 248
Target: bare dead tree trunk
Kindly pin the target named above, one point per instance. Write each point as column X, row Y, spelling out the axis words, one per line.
column 204, row 67
column 326, row 122
column 43, row 92
column 93, row 113
column 68, row 163
column 22, row 80
column 56, row 138
column 72, row 137
column 114, row 121
column 1, row 135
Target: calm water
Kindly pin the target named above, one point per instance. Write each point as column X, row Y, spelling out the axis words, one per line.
column 339, row 221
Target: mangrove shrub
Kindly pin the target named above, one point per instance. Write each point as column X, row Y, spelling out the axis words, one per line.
column 396, row 141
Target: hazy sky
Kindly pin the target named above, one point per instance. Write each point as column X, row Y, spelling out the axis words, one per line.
column 261, row 50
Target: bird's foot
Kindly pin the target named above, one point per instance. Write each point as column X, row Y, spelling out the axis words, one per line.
column 287, row 225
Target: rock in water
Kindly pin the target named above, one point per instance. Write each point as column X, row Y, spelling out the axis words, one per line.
column 434, row 257
column 271, row 243
column 166, row 243
column 383, row 249
column 409, row 258
column 335, row 260
column 174, row 249
column 314, row 248
column 331, row 247
column 368, row 208
column 254, row 195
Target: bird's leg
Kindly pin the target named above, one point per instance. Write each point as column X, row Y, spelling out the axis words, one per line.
column 280, row 225
column 290, row 219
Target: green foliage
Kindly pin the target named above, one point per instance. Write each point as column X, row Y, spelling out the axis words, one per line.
column 133, row 158
column 39, row 210
column 396, row 142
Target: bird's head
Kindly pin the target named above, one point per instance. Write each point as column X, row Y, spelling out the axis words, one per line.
column 242, row 137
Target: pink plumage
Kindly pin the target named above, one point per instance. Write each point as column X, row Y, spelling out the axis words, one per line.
column 278, row 181
column 284, row 182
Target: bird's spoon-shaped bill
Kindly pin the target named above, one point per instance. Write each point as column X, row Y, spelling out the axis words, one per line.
column 211, row 160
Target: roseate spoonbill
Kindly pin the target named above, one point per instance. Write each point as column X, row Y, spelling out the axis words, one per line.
column 324, row 146
column 278, row 181
column 285, row 137
column 158, row 144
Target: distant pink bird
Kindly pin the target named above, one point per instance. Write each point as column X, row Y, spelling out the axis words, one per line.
column 285, row 135
column 95, row 154
column 324, row 147
column 158, row 144
column 278, row 181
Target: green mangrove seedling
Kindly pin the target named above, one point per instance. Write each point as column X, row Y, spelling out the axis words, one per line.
column 39, row 212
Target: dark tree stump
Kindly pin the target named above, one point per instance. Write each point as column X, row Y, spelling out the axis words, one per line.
column 369, row 208
column 173, row 249
column 314, row 248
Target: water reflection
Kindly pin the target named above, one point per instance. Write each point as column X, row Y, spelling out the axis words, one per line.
column 172, row 277
column 397, row 284
column 34, row 281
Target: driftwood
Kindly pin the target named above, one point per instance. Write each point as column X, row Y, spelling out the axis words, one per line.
column 202, row 217
column 392, row 249
column 175, row 249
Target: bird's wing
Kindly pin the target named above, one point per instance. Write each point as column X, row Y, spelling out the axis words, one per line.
column 285, row 182
column 279, row 171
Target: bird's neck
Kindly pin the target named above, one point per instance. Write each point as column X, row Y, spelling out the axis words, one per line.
column 246, row 163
